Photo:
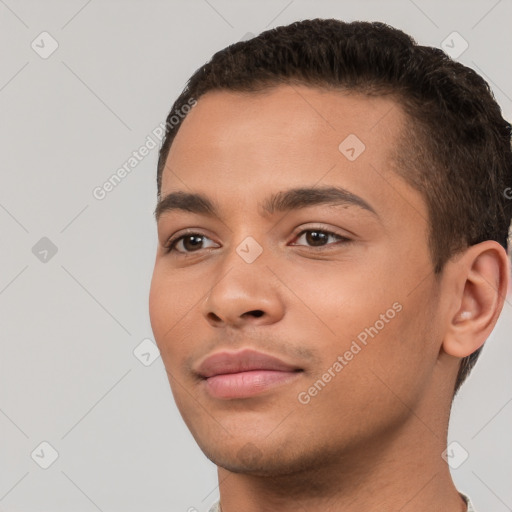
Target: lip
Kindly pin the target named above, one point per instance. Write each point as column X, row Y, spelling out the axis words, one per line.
column 245, row 373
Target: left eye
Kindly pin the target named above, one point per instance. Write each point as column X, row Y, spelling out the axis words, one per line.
column 317, row 237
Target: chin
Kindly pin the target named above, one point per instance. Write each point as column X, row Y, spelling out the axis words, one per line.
column 270, row 461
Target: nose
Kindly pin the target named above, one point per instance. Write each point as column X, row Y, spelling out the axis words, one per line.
column 245, row 294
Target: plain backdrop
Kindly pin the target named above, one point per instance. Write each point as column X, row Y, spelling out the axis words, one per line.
column 76, row 342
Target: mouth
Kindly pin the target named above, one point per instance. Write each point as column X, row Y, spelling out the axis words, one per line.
column 229, row 375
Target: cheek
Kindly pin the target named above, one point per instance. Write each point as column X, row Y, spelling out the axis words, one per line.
column 172, row 306
column 167, row 296
column 347, row 298
column 402, row 355
column 157, row 305
column 370, row 313
column 164, row 308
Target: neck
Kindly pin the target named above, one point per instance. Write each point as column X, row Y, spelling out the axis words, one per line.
column 401, row 471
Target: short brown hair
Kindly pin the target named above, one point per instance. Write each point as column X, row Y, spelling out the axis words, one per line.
column 457, row 152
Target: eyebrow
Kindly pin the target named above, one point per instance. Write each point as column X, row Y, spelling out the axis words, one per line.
column 283, row 201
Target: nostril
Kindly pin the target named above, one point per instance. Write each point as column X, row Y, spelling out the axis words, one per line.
column 257, row 313
column 214, row 317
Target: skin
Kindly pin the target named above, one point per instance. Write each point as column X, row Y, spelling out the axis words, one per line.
column 372, row 438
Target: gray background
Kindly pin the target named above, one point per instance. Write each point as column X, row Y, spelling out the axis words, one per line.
column 71, row 320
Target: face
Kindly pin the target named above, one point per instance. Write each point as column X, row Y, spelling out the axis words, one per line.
column 337, row 285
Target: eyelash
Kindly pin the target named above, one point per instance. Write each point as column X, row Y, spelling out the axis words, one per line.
column 170, row 246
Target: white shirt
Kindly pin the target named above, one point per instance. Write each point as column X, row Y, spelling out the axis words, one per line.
column 216, row 506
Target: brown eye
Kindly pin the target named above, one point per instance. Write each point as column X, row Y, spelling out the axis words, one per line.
column 319, row 238
column 316, row 238
column 190, row 242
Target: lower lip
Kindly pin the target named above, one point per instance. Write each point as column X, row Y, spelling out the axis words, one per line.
column 246, row 384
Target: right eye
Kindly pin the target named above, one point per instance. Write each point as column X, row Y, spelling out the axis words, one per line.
column 185, row 244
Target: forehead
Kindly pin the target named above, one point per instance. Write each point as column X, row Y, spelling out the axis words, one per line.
column 248, row 145
column 292, row 114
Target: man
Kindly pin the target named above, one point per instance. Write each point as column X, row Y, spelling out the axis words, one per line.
column 332, row 220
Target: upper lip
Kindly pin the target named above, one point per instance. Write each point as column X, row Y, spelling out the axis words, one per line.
column 242, row 361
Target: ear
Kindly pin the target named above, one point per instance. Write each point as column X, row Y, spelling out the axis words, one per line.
column 482, row 277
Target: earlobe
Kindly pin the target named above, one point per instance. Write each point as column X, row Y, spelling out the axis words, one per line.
column 484, row 270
